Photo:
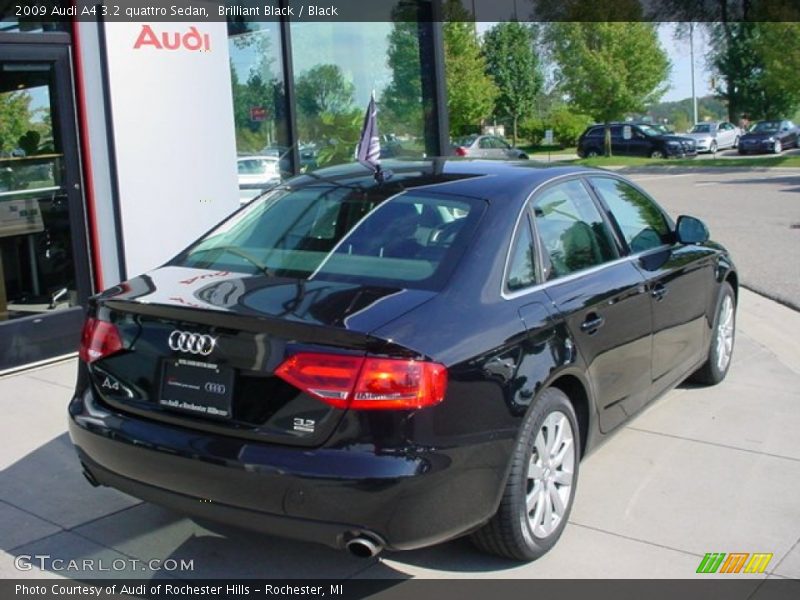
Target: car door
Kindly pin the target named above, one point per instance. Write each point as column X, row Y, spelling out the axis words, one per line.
column 638, row 144
column 679, row 278
column 600, row 296
column 726, row 135
column 619, row 144
column 485, row 147
column 792, row 139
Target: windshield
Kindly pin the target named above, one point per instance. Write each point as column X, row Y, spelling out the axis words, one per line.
column 649, row 130
column 766, row 127
column 701, row 128
column 411, row 239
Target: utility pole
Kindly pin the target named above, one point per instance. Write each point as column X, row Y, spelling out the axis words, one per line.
column 691, row 54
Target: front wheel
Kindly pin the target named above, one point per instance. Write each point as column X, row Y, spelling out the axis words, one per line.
column 723, row 336
column 540, row 489
column 735, row 142
column 713, row 148
column 778, row 147
column 656, row 154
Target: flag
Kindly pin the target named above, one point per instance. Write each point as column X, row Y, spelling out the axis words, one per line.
column 368, row 151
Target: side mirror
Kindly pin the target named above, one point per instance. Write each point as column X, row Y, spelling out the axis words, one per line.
column 690, row 230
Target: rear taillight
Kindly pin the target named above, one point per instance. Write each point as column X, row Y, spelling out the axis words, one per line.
column 99, row 340
column 461, row 151
column 366, row 383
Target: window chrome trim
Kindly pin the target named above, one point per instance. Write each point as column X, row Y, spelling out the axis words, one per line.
column 513, row 236
column 537, row 287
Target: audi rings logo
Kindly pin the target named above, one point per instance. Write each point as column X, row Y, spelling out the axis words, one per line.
column 193, row 343
column 215, row 388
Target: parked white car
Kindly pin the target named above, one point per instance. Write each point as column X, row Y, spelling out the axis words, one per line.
column 256, row 174
column 715, row 135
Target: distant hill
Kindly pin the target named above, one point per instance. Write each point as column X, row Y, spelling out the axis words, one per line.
column 679, row 114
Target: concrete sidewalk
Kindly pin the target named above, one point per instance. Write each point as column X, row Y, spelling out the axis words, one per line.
column 701, row 470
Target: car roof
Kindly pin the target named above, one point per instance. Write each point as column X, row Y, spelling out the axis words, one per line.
column 486, row 179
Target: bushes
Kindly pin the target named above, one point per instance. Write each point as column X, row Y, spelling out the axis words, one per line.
column 567, row 127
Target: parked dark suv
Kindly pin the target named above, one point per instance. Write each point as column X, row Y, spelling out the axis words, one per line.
column 635, row 140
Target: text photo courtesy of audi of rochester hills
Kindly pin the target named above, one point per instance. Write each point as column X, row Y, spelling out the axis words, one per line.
column 410, row 298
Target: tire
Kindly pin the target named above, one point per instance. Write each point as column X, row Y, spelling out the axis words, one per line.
column 713, row 148
column 513, row 532
column 592, row 153
column 523, row 156
column 720, row 351
column 735, row 142
column 778, row 147
column 657, row 154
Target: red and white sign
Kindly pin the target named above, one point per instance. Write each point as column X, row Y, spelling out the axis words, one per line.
column 175, row 146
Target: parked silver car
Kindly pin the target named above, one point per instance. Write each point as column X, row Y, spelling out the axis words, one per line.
column 486, row 146
column 715, row 135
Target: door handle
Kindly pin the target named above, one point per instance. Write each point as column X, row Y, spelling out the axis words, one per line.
column 592, row 323
column 659, row 291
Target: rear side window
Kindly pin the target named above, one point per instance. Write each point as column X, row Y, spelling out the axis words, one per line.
column 343, row 233
column 640, row 220
column 521, row 267
column 572, row 229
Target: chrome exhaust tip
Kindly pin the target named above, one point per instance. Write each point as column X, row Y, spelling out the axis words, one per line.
column 364, row 546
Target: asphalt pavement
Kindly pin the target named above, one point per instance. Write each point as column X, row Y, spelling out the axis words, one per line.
column 754, row 212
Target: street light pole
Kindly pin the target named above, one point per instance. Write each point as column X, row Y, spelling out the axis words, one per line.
column 691, row 54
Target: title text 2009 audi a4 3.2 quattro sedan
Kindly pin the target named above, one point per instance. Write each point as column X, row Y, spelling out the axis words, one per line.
column 395, row 364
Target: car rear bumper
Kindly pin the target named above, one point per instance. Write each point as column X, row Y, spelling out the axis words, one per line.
column 406, row 498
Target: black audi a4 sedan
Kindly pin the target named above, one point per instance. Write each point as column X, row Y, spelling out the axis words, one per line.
column 391, row 365
column 770, row 136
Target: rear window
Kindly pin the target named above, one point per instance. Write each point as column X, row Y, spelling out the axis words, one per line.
column 412, row 239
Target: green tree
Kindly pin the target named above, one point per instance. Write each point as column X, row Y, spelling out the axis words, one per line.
column 323, row 88
column 756, row 67
column 15, row 118
column 470, row 91
column 607, row 69
column 511, row 62
column 401, row 100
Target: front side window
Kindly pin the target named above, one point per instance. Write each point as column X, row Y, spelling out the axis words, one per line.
column 342, row 233
column 572, row 230
column 640, row 220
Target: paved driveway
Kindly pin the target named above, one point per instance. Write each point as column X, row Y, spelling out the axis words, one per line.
column 701, row 470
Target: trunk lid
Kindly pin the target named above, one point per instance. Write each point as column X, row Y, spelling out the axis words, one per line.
column 201, row 348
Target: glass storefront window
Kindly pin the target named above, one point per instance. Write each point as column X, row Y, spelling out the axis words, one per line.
column 259, row 105
column 37, row 268
column 336, row 68
column 24, row 17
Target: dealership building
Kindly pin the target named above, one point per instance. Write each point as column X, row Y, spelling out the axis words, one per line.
column 121, row 142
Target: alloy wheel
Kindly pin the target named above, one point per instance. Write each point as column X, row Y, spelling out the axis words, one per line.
column 551, row 473
column 724, row 339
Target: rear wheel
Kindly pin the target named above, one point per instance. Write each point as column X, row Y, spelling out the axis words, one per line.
column 656, row 154
column 592, row 153
column 541, row 485
column 722, row 338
